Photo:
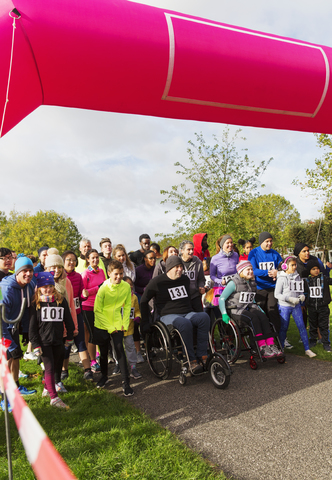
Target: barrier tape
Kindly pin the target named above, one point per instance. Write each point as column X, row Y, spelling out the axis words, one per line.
column 45, row 461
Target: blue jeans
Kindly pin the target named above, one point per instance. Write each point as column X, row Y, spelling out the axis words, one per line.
column 285, row 313
column 185, row 324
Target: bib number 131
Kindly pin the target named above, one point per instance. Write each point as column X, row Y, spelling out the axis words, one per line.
column 52, row 314
column 177, row 292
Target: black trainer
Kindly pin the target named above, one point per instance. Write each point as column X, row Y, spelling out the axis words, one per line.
column 102, row 382
column 64, row 375
column 127, row 390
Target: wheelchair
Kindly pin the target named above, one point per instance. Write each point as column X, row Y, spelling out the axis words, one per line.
column 164, row 345
column 234, row 338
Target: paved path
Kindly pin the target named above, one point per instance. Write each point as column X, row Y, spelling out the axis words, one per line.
column 272, row 423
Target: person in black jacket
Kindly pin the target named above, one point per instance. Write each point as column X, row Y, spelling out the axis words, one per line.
column 318, row 299
column 49, row 314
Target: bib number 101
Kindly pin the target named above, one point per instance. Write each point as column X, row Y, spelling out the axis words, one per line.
column 247, row 297
column 52, row 314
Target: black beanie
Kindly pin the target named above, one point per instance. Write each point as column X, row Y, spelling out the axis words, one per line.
column 299, row 247
column 172, row 262
column 264, row 236
column 313, row 262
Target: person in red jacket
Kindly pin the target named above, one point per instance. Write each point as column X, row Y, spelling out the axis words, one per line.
column 201, row 246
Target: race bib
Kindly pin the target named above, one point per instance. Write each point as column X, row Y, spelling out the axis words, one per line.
column 52, row 314
column 177, row 292
column 316, row 292
column 77, row 303
column 247, row 297
column 296, row 286
column 266, row 265
column 190, row 274
column 132, row 313
column 227, row 278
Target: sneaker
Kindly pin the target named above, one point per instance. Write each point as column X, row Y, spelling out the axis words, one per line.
column 102, row 382
column 30, row 356
column 195, row 367
column 319, row 340
column 95, row 367
column 64, row 375
column 3, row 406
column 204, row 360
column 140, row 358
column 312, row 343
column 22, row 375
column 276, row 350
column 88, row 375
column 74, row 349
column 25, row 391
column 288, row 345
column 300, row 341
column 267, row 352
column 127, row 390
column 110, row 359
column 327, row 348
column 116, row 370
column 59, row 387
column 45, row 393
column 135, row 373
column 57, row 402
column 310, row 353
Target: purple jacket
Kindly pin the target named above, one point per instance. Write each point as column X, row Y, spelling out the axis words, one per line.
column 143, row 276
column 221, row 266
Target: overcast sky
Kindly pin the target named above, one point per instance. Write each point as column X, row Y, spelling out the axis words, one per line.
column 106, row 170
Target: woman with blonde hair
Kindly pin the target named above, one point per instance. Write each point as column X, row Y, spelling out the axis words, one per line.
column 120, row 254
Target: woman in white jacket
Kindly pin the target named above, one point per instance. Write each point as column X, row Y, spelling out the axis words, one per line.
column 289, row 292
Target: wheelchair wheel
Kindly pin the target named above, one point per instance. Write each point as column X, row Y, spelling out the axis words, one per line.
column 158, row 350
column 182, row 378
column 218, row 373
column 281, row 359
column 253, row 363
column 226, row 339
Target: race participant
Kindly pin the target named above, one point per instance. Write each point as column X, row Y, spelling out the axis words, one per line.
column 138, row 256
column 42, row 254
column 156, row 249
column 301, row 251
column 247, row 246
column 201, row 246
column 223, row 264
column 265, row 263
column 120, row 254
column 106, row 252
column 14, row 288
column 5, row 262
column 144, row 272
column 193, row 268
column 171, row 292
column 161, row 267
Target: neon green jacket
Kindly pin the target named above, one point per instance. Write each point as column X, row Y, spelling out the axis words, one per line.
column 110, row 300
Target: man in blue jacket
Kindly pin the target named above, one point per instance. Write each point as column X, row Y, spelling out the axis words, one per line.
column 265, row 263
column 14, row 288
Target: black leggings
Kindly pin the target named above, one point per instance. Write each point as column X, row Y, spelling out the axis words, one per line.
column 258, row 321
column 102, row 339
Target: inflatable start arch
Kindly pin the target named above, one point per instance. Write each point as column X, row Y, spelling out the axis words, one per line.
column 119, row 56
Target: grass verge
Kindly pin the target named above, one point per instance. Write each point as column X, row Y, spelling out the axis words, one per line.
column 102, row 437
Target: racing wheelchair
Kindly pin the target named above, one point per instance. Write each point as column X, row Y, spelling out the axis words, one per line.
column 164, row 345
column 236, row 337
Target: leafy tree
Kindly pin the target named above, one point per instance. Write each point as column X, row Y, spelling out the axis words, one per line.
column 24, row 232
column 216, row 184
column 318, row 181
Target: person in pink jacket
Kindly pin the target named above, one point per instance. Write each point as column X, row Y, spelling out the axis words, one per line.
column 93, row 277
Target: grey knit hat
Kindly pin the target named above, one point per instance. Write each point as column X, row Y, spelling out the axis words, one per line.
column 172, row 262
column 264, row 236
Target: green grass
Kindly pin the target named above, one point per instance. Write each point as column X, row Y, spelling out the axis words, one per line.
column 103, row 437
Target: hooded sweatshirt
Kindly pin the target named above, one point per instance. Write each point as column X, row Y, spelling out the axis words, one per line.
column 194, row 271
column 288, row 285
column 198, row 252
column 13, row 295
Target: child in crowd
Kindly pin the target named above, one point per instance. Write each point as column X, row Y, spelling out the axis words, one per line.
column 247, row 246
column 93, row 277
column 207, row 298
column 48, row 315
column 318, row 299
column 112, row 311
column 239, row 295
column 132, row 336
column 289, row 292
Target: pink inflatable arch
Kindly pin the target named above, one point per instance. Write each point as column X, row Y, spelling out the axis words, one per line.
column 119, row 56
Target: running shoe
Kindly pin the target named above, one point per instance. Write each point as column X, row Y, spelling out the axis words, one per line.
column 267, row 352
column 95, row 367
column 22, row 375
column 57, row 402
column 288, row 345
column 135, row 373
column 30, row 356
column 327, row 348
column 102, row 382
column 59, row 387
column 25, row 391
column 127, row 390
column 116, row 370
column 195, row 367
column 276, row 350
column 64, row 375
column 140, row 358
column 3, row 406
column 310, row 353
column 45, row 393
column 88, row 375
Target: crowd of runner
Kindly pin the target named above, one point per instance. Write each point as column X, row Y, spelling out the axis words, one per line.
column 102, row 302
